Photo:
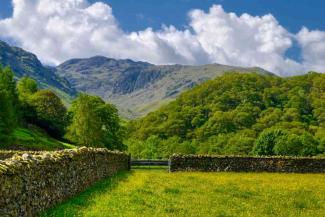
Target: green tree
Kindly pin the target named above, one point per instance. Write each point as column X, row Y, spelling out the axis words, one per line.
column 9, row 115
column 50, row 113
column 240, row 143
column 26, row 87
column 112, row 130
column 151, row 149
column 264, row 144
column 287, row 145
column 295, row 145
column 310, row 145
column 135, row 148
column 95, row 123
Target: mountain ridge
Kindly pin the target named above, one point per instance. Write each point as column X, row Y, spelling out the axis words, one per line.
column 136, row 84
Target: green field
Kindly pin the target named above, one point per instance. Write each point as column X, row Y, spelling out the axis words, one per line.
column 155, row 192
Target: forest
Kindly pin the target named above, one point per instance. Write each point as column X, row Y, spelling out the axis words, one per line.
column 237, row 114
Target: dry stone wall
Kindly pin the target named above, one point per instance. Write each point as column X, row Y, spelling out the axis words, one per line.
column 30, row 183
column 246, row 164
column 5, row 154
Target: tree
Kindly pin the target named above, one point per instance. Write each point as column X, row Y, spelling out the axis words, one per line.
column 112, row 130
column 295, row 145
column 266, row 141
column 9, row 115
column 288, row 145
column 26, row 87
column 49, row 112
column 95, row 123
column 240, row 143
column 151, row 149
column 309, row 145
column 135, row 148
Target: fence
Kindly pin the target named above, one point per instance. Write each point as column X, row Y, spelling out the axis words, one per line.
column 149, row 162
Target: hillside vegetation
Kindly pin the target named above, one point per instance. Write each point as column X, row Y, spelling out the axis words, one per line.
column 242, row 114
column 33, row 118
column 157, row 193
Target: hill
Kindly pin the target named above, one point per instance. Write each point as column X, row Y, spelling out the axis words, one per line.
column 237, row 114
column 24, row 63
column 138, row 87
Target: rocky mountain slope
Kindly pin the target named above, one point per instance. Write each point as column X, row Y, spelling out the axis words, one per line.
column 138, row 87
column 24, row 63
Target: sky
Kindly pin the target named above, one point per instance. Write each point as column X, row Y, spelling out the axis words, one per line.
column 286, row 37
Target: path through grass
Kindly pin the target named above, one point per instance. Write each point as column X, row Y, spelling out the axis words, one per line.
column 153, row 192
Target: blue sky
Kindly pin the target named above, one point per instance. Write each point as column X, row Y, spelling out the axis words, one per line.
column 131, row 17
column 134, row 15
column 291, row 13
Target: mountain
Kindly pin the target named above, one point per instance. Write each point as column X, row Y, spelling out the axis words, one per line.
column 135, row 87
column 24, row 63
column 138, row 87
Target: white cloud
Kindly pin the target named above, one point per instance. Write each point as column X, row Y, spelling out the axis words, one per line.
column 243, row 40
column 313, row 49
column 63, row 29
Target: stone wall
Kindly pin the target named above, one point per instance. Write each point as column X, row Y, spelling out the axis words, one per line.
column 5, row 154
column 246, row 164
column 30, row 183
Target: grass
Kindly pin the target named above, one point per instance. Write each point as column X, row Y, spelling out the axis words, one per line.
column 34, row 139
column 155, row 192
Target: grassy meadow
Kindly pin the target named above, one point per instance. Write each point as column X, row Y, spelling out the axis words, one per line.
column 155, row 192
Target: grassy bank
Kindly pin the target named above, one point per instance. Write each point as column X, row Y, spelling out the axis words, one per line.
column 34, row 139
column 149, row 192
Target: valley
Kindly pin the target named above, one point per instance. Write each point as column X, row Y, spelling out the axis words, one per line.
column 180, row 108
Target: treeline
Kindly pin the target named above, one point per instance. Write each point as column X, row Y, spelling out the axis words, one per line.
column 89, row 122
column 240, row 114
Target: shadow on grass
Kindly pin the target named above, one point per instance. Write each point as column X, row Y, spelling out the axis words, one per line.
column 72, row 206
